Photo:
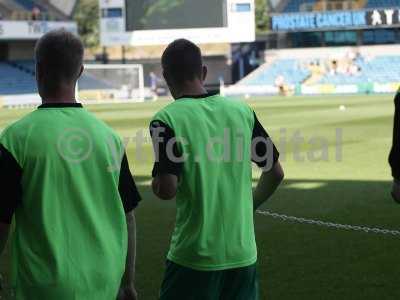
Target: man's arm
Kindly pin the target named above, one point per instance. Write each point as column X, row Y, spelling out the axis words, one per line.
column 267, row 185
column 168, row 166
column 10, row 185
column 130, row 199
column 394, row 157
column 128, row 290
column 4, row 233
column 396, row 190
column 266, row 156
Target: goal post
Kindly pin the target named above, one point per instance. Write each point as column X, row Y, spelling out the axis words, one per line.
column 111, row 83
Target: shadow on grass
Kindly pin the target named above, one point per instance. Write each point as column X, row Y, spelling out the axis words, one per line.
column 296, row 261
column 299, row 261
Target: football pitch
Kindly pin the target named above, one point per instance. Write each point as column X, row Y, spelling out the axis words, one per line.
column 335, row 162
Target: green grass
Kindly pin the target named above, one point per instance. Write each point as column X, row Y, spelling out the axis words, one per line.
column 296, row 261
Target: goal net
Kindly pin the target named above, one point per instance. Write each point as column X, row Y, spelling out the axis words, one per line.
column 111, row 83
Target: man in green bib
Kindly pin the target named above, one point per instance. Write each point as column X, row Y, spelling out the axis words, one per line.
column 66, row 179
column 204, row 145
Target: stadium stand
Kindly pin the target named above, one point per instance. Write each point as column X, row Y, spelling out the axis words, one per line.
column 292, row 6
column 295, row 5
column 16, row 80
column 7, row 8
column 31, row 10
column 19, row 78
column 380, row 69
column 29, row 4
column 25, row 65
column 340, row 66
column 290, row 69
column 17, row 69
column 10, row 4
column 382, row 3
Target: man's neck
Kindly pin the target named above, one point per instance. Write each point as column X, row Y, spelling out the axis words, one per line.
column 59, row 99
column 65, row 94
column 195, row 90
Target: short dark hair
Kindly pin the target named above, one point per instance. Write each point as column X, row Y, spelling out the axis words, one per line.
column 182, row 61
column 59, row 54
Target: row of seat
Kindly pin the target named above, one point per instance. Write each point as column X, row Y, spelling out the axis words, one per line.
column 15, row 80
column 381, row 69
column 382, row 3
column 18, row 77
column 29, row 4
column 295, row 5
column 290, row 69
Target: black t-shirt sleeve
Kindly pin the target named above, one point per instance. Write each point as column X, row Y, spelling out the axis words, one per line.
column 394, row 156
column 127, row 188
column 167, row 155
column 10, row 185
column 264, row 152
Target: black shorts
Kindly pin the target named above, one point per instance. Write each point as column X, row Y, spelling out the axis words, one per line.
column 181, row 283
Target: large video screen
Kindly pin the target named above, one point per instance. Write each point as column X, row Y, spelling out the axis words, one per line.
column 175, row 14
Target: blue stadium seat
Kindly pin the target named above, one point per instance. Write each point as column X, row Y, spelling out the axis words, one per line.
column 16, row 80
column 381, row 69
column 294, row 5
column 290, row 69
column 18, row 77
column 382, row 3
column 29, row 4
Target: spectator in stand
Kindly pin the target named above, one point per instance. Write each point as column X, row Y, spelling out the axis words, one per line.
column 36, row 13
column 280, row 84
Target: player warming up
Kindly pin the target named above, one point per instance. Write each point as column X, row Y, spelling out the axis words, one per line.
column 204, row 144
column 61, row 176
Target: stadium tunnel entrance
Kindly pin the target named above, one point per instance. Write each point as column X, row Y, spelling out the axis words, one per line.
column 3, row 51
column 17, row 50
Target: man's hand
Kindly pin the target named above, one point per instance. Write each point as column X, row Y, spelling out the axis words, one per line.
column 267, row 184
column 165, row 186
column 396, row 190
column 127, row 293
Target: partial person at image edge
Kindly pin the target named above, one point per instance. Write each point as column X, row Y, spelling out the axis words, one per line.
column 394, row 156
column 72, row 199
column 213, row 251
